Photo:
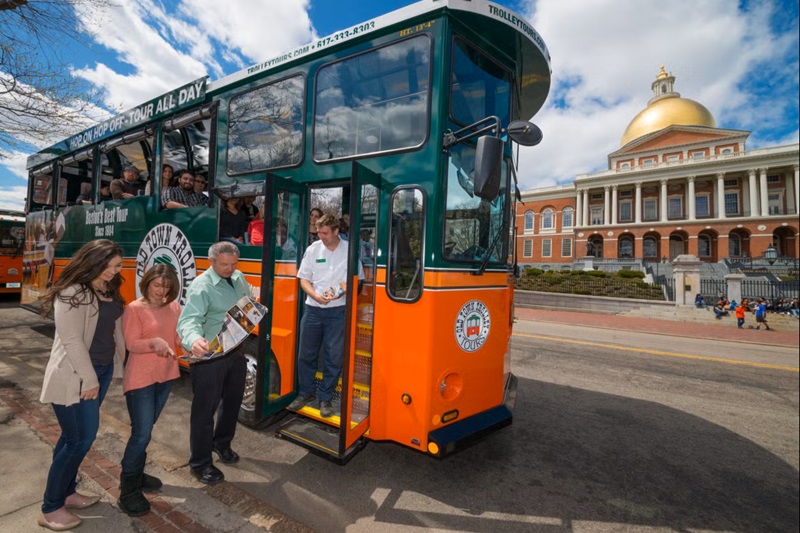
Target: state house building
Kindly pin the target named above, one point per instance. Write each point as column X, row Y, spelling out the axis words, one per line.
column 677, row 185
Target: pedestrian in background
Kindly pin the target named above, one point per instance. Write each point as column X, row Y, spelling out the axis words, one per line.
column 741, row 309
column 761, row 314
column 149, row 325
column 88, row 348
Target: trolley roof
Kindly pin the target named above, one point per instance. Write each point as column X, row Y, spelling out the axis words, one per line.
column 533, row 71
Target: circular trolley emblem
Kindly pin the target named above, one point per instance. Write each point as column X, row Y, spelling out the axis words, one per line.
column 472, row 325
column 166, row 244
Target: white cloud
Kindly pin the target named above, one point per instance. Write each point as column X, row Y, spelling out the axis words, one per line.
column 258, row 30
column 605, row 55
column 157, row 66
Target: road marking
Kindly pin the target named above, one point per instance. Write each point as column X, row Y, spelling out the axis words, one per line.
column 658, row 352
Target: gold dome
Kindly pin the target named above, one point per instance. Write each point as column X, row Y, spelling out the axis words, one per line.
column 665, row 109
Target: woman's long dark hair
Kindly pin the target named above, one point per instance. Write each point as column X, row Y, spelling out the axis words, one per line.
column 86, row 265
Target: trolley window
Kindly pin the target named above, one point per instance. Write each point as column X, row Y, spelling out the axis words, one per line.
column 265, row 127
column 373, row 102
column 405, row 244
column 471, row 223
column 40, row 191
column 479, row 87
column 76, row 174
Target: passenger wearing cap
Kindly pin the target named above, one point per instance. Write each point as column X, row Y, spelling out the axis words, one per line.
column 128, row 185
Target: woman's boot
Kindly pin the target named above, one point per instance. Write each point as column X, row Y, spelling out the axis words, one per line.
column 150, row 483
column 131, row 500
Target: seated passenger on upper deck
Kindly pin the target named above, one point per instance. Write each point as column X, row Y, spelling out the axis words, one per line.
column 128, row 185
column 183, row 194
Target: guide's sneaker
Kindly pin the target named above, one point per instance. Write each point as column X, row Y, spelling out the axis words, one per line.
column 300, row 402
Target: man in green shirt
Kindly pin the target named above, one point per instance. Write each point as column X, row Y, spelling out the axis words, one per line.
column 222, row 378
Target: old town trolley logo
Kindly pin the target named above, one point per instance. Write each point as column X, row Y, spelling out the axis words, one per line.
column 166, row 244
column 472, row 325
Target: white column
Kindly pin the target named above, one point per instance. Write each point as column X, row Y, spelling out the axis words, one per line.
column 762, row 182
column 637, row 209
column 690, row 199
column 579, row 208
column 586, row 220
column 721, row 195
column 796, row 189
column 614, row 217
column 606, row 206
column 754, row 208
column 663, row 213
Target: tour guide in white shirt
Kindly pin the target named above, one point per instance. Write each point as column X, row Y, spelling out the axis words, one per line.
column 221, row 379
column 324, row 266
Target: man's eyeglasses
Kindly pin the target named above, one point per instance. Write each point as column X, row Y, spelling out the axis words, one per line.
column 200, row 180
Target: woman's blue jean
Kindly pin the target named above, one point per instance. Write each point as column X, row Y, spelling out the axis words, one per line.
column 79, row 423
column 144, row 408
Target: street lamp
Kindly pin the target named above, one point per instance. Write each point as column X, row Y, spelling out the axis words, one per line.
column 771, row 254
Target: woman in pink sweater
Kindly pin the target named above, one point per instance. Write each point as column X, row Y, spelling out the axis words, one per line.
column 149, row 325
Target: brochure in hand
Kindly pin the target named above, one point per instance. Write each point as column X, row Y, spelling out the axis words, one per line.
column 239, row 322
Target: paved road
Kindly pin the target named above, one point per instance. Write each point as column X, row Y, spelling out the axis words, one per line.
column 613, row 430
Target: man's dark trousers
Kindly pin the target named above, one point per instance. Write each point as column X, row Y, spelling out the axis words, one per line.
column 218, row 380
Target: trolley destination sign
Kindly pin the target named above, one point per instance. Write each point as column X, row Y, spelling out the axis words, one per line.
column 168, row 103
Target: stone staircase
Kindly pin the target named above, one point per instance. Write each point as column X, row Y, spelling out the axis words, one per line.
column 706, row 316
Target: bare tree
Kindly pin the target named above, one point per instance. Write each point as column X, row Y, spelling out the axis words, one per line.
column 40, row 99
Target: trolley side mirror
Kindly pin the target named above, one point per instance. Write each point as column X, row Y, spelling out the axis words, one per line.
column 488, row 166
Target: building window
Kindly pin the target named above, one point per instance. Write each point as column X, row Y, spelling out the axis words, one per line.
column 675, row 206
column 566, row 247
column 649, row 162
column 775, row 178
column 547, row 245
column 650, row 209
column 626, row 211
column 650, row 248
column 528, row 222
column 732, row 203
column 566, row 217
column 597, row 196
column 548, row 220
column 726, row 151
column 775, row 200
column 732, row 183
column 734, row 245
column 704, row 246
column 625, row 248
column 527, row 248
column 625, row 166
column 698, row 155
column 597, row 215
column 673, row 158
column 626, row 193
column 701, row 205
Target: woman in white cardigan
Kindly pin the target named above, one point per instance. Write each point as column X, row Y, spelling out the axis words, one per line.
column 88, row 347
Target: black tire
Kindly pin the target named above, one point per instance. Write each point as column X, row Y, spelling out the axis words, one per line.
column 247, row 412
column 247, row 409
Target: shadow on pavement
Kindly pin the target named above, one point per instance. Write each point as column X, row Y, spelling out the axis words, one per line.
column 600, row 457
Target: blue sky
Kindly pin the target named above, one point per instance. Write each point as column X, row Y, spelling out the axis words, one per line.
column 739, row 59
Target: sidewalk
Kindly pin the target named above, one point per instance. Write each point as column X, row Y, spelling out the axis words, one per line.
column 662, row 327
column 28, row 431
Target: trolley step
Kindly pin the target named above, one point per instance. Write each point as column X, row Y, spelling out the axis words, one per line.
column 321, row 439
